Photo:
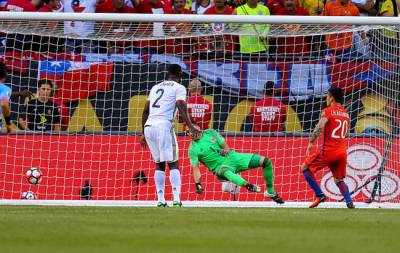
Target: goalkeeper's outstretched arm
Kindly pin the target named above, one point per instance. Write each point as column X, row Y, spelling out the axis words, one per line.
column 197, row 178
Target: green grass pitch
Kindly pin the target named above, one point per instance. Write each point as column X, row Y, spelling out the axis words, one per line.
column 120, row 229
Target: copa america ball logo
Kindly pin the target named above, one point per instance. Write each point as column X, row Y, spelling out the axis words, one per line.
column 363, row 163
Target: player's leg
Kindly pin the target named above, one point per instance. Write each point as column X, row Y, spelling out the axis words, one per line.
column 243, row 161
column 175, row 180
column 159, row 179
column 226, row 172
column 238, row 162
column 150, row 133
column 169, row 152
column 338, row 170
column 311, row 165
column 268, row 173
column 267, row 168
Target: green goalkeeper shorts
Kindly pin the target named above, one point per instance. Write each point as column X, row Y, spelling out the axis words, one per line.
column 235, row 162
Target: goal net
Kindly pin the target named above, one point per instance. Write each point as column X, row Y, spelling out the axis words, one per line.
column 102, row 71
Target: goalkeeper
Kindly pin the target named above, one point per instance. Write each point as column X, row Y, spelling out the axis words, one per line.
column 210, row 148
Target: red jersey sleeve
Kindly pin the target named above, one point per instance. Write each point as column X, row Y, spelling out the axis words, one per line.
column 326, row 113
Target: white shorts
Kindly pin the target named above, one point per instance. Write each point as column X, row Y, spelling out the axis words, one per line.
column 162, row 142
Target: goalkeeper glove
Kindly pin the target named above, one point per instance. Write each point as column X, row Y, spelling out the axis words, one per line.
column 199, row 189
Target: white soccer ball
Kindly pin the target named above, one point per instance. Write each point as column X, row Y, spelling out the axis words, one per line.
column 230, row 188
column 34, row 176
column 28, row 195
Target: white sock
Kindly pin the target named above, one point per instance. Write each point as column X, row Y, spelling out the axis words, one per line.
column 159, row 178
column 175, row 179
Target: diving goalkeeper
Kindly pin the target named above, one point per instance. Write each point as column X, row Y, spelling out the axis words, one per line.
column 210, row 148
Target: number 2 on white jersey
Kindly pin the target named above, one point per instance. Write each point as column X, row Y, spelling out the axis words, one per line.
column 341, row 129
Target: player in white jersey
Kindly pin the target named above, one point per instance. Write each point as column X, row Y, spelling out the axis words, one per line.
column 157, row 121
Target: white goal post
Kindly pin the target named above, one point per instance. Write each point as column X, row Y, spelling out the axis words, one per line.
column 103, row 71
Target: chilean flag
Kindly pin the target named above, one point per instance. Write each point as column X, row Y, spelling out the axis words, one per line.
column 76, row 80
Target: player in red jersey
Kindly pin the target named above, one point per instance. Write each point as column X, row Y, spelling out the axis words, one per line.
column 268, row 114
column 199, row 108
column 333, row 125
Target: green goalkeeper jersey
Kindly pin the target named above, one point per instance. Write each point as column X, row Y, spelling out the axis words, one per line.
column 206, row 150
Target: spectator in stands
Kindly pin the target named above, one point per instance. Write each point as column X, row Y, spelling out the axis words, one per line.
column 257, row 43
column 117, row 6
column 223, row 43
column 382, row 38
column 341, row 44
column 268, row 114
column 314, row 7
column 79, row 28
column 388, row 8
column 178, row 7
column 49, row 6
column 17, row 43
column 178, row 45
column 154, row 7
column 219, row 8
column 188, row 5
column 41, row 114
column 156, row 29
column 298, row 45
column 200, row 6
column 199, row 109
column 23, row 5
column 366, row 7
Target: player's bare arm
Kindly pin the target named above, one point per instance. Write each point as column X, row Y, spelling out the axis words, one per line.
column 23, row 93
column 317, row 132
column 182, row 108
column 145, row 116
column 7, row 114
column 197, row 178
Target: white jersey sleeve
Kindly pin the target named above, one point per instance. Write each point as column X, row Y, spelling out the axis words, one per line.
column 181, row 93
column 162, row 99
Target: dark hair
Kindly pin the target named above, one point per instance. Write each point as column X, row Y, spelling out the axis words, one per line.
column 3, row 70
column 174, row 70
column 45, row 81
column 46, row 1
column 269, row 88
column 337, row 93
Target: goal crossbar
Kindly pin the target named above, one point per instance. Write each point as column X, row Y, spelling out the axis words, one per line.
column 113, row 17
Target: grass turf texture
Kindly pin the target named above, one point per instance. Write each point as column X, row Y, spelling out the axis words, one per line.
column 115, row 229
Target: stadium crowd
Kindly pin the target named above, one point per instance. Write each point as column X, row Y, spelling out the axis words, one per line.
column 345, row 43
column 268, row 114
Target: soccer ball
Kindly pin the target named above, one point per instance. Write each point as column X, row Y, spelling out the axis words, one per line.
column 28, row 195
column 34, row 176
column 230, row 188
